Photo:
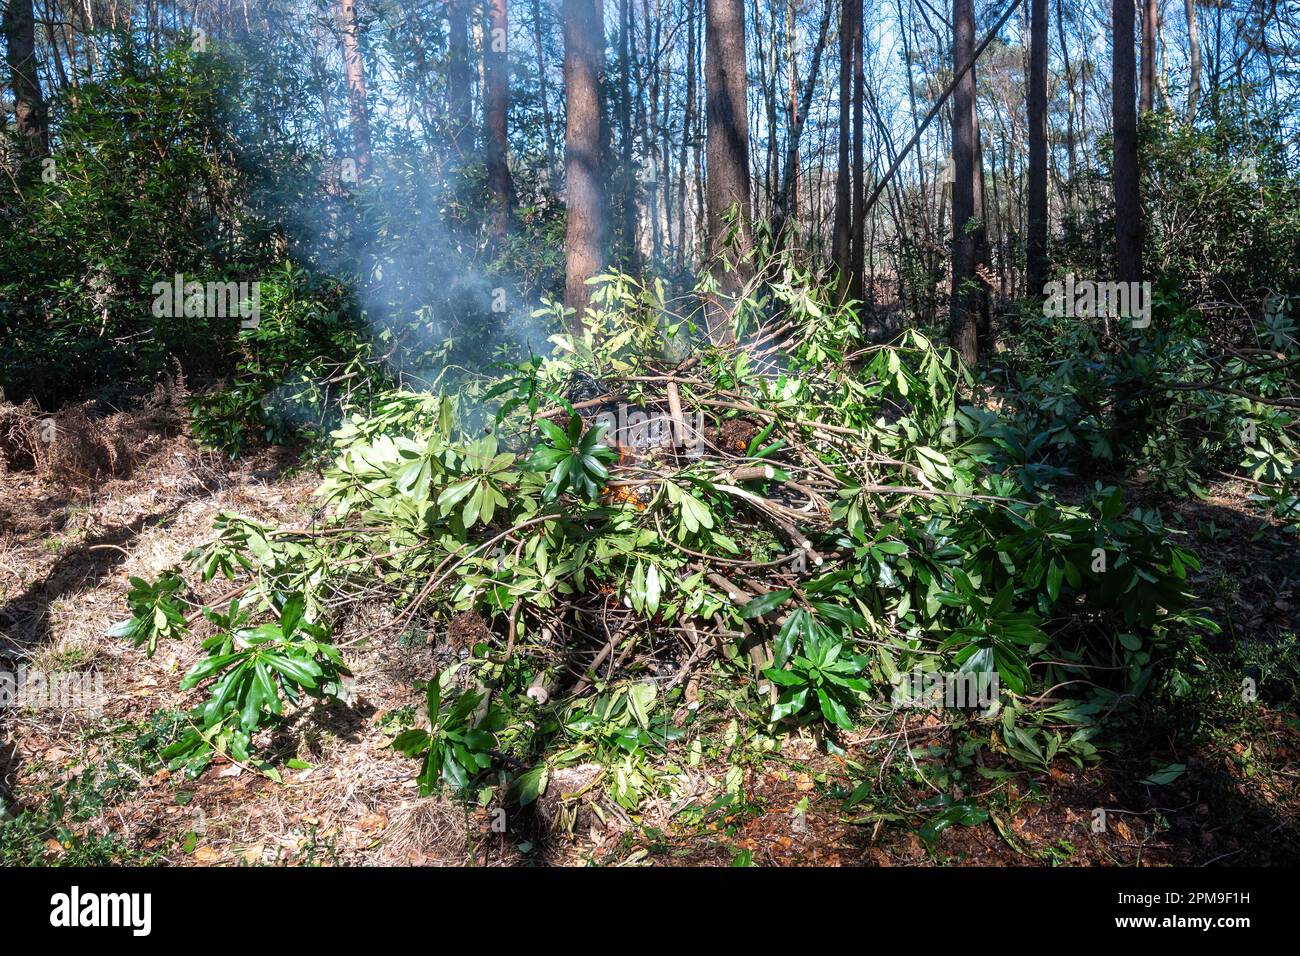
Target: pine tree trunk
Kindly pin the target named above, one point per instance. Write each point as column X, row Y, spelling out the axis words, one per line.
column 628, row 174
column 496, row 109
column 1036, row 249
column 1194, row 60
column 355, row 73
column 964, row 309
column 654, row 175
column 688, row 131
column 29, row 104
column 1128, row 209
column 584, row 55
column 857, row 256
column 458, row 82
column 841, row 240
column 1148, row 55
column 727, row 173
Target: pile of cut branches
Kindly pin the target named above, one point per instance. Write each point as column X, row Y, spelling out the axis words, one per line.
column 615, row 538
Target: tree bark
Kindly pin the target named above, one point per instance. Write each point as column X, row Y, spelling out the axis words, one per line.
column 629, row 174
column 1069, row 113
column 1194, row 60
column 584, row 55
column 857, row 257
column 496, row 109
column 458, row 77
column 727, row 172
column 964, row 309
column 697, row 138
column 666, row 151
column 29, row 104
column 653, row 175
column 1124, row 166
column 1148, row 95
column 841, row 240
column 688, row 131
column 355, row 72
column 765, row 61
column 983, row 294
column 1036, row 247
column 795, row 118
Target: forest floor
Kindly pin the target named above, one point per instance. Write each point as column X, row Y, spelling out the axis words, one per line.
column 96, row 792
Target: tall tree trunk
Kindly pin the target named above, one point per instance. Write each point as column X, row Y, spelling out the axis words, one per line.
column 1162, row 58
column 964, row 309
column 654, row 175
column 355, row 72
column 1069, row 113
column 841, row 240
column 1036, row 245
column 1194, row 60
column 857, row 256
column 647, row 100
column 727, row 173
column 1124, row 166
column 983, row 294
column 666, row 153
column 787, row 202
column 584, row 56
column 629, row 175
column 29, row 104
column 458, row 77
column 688, row 130
column 1148, row 95
column 1218, row 60
column 697, row 141
column 496, row 109
column 59, row 71
column 794, row 120
column 544, row 91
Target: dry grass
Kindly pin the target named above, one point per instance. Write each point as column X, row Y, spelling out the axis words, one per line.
column 136, row 497
column 82, row 445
